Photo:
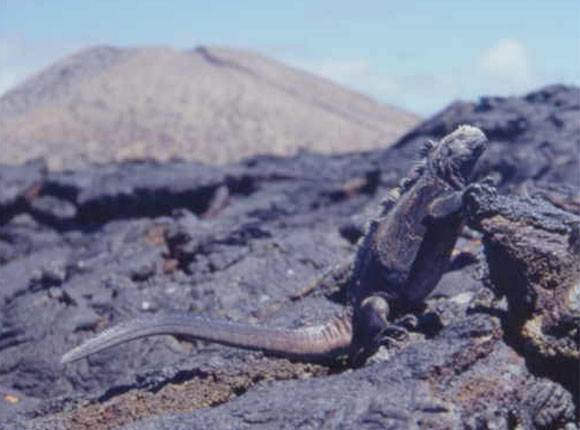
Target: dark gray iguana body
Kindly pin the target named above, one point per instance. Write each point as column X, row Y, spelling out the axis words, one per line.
column 399, row 261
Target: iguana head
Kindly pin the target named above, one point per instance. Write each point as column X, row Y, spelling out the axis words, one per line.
column 454, row 157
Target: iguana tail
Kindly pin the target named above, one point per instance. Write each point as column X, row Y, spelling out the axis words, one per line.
column 317, row 343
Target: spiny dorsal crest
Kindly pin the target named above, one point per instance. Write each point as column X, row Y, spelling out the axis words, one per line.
column 413, row 176
column 428, row 145
column 419, row 168
column 389, row 200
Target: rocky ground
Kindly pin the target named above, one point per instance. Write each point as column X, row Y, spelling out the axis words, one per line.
column 497, row 347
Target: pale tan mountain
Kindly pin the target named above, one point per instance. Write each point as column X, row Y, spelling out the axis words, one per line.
column 211, row 104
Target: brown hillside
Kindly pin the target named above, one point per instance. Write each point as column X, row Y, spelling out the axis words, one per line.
column 210, row 104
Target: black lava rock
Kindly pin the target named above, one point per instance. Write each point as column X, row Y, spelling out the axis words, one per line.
column 82, row 250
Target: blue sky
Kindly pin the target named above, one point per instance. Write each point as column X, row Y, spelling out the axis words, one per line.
column 419, row 55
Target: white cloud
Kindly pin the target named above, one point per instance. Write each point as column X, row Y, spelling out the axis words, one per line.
column 504, row 68
column 508, row 63
column 422, row 92
column 5, row 50
column 20, row 57
column 8, row 78
column 9, row 72
column 357, row 74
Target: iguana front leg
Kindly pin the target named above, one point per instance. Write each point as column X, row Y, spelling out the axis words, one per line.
column 454, row 202
column 445, row 206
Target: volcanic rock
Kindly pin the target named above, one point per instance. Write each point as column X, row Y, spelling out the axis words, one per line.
column 84, row 249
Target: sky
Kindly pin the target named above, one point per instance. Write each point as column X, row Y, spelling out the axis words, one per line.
column 418, row 55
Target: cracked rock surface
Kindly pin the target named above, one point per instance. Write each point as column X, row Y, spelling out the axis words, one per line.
column 82, row 250
column 533, row 255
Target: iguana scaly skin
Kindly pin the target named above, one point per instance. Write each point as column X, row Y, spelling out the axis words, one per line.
column 399, row 261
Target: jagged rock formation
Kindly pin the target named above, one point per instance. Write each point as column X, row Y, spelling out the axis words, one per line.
column 533, row 254
column 208, row 104
column 533, row 138
column 84, row 249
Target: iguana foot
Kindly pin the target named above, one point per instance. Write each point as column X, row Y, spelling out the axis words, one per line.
column 398, row 331
column 391, row 336
column 409, row 322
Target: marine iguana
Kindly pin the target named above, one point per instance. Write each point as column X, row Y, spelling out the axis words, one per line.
column 399, row 261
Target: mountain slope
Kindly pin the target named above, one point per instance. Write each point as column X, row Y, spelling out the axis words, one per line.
column 210, row 104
